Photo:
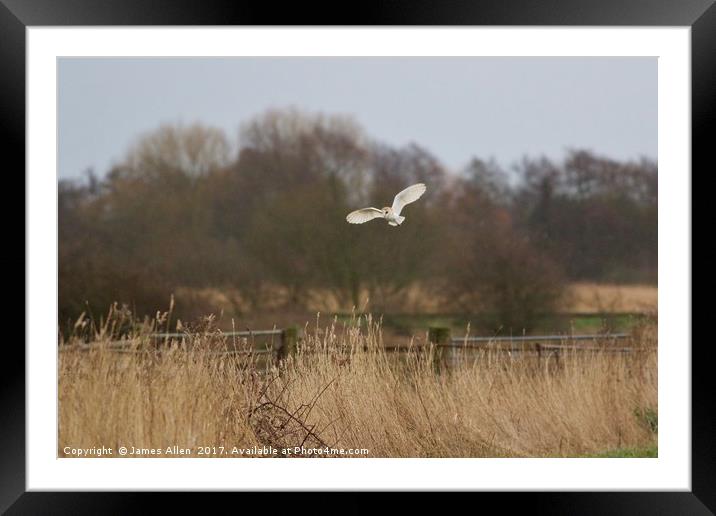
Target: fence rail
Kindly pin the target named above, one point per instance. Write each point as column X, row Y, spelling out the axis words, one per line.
column 247, row 333
column 286, row 344
column 610, row 349
column 543, row 338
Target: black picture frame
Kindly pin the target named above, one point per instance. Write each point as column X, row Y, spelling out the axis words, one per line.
column 700, row 15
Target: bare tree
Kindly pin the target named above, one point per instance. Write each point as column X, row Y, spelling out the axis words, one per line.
column 194, row 150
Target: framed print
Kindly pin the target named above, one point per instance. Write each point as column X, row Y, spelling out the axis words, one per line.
column 212, row 283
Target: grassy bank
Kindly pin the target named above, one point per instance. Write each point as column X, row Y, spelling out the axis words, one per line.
column 649, row 452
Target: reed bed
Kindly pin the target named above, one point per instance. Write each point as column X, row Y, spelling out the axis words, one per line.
column 342, row 390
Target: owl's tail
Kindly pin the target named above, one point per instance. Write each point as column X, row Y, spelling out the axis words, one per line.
column 399, row 220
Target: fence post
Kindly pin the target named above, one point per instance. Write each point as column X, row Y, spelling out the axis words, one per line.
column 289, row 338
column 440, row 338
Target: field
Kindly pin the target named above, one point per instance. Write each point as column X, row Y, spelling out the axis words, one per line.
column 341, row 390
column 602, row 298
column 581, row 298
column 585, row 307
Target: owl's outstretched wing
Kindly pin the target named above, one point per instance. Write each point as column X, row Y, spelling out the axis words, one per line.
column 410, row 194
column 364, row 215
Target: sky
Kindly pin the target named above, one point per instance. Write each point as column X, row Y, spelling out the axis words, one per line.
column 456, row 107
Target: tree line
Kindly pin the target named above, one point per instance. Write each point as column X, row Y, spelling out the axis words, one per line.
column 186, row 207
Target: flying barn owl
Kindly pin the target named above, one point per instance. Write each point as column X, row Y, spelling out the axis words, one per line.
column 392, row 213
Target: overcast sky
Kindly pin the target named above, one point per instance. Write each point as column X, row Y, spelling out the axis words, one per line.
column 457, row 108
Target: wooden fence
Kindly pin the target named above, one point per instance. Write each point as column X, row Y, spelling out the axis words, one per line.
column 438, row 337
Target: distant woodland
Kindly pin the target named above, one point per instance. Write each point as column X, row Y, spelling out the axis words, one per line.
column 188, row 207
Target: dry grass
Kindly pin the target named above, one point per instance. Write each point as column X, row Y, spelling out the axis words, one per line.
column 608, row 298
column 417, row 299
column 342, row 390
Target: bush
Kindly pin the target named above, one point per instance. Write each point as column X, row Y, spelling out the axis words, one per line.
column 510, row 282
column 493, row 269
